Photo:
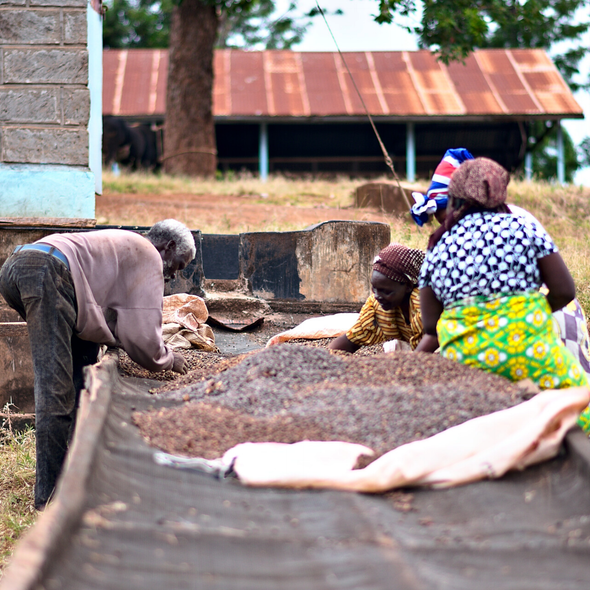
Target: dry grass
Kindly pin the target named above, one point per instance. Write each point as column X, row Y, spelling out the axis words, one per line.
column 17, row 481
column 230, row 205
column 278, row 190
column 564, row 211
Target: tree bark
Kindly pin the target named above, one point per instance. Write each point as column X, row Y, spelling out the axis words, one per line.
column 189, row 134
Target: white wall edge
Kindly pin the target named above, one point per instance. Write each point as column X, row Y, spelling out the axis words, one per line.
column 95, row 87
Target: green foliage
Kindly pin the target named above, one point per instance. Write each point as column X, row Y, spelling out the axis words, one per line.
column 260, row 28
column 584, row 149
column 455, row 27
column 137, row 23
column 250, row 24
column 545, row 152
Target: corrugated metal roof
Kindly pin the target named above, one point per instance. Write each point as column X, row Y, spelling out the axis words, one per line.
column 394, row 84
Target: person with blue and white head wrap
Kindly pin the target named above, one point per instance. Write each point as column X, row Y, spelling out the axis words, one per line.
column 436, row 198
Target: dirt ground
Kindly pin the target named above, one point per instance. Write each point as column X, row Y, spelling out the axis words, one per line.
column 220, row 213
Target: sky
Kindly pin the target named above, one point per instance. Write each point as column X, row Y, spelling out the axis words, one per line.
column 357, row 31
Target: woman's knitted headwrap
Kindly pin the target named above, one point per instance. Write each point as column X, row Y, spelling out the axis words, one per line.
column 481, row 181
column 477, row 185
column 399, row 263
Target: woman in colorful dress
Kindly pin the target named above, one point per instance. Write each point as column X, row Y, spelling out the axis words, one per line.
column 392, row 311
column 479, row 286
column 569, row 321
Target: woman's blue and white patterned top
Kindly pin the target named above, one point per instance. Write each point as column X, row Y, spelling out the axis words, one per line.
column 486, row 254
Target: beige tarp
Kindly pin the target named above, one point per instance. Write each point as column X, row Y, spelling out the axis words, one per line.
column 485, row 447
column 329, row 326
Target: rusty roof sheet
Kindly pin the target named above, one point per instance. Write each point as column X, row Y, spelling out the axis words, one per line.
column 393, row 84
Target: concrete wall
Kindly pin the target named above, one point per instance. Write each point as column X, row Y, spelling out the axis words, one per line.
column 45, row 106
column 16, row 376
column 328, row 262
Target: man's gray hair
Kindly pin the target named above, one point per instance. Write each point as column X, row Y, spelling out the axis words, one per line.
column 171, row 229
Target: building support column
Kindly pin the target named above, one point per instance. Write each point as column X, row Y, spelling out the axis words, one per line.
column 528, row 166
column 560, row 154
column 263, row 152
column 410, row 153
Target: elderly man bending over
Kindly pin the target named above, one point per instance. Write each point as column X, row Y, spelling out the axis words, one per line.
column 77, row 291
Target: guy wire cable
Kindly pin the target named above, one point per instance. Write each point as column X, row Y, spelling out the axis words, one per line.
column 385, row 154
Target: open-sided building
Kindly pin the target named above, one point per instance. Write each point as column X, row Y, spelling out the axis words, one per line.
column 300, row 112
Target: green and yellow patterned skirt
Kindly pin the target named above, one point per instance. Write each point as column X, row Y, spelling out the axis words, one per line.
column 514, row 336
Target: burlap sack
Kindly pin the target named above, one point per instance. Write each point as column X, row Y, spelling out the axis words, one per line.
column 183, row 323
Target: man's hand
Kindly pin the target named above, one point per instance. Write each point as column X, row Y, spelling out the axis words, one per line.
column 179, row 365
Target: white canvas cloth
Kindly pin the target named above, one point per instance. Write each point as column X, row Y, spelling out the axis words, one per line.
column 396, row 346
column 485, row 447
column 328, row 326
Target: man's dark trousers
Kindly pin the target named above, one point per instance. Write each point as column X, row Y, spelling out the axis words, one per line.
column 39, row 286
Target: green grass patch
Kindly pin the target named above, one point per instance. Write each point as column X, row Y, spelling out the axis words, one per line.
column 17, row 482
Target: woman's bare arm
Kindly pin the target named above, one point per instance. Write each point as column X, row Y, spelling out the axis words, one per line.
column 343, row 343
column 430, row 308
column 558, row 280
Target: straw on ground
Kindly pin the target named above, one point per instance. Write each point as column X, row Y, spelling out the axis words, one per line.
column 17, row 481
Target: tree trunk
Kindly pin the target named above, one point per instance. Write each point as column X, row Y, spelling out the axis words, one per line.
column 189, row 135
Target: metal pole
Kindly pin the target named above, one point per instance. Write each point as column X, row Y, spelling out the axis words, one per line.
column 263, row 152
column 410, row 153
column 528, row 166
column 560, row 155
